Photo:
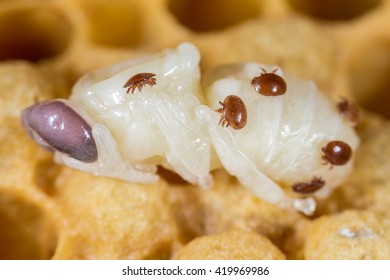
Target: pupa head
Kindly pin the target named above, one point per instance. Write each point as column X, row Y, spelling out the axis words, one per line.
column 56, row 126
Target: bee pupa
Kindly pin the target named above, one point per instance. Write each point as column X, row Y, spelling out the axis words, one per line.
column 151, row 111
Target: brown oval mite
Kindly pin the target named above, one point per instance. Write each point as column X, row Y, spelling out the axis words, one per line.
column 139, row 80
column 233, row 112
column 349, row 110
column 269, row 84
column 336, row 153
column 308, row 187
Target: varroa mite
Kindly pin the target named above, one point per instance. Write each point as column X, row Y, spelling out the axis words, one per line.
column 349, row 111
column 138, row 81
column 308, row 187
column 336, row 153
column 269, row 84
column 233, row 112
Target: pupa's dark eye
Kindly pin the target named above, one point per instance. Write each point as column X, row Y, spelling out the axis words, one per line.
column 57, row 126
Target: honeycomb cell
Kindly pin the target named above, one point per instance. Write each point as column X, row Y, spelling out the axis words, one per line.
column 33, row 33
column 26, row 232
column 113, row 219
column 231, row 245
column 205, row 15
column 115, row 23
column 369, row 78
column 349, row 235
column 334, row 9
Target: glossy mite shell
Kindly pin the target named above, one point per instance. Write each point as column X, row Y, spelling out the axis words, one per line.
column 349, row 111
column 57, row 126
column 138, row 81
column 269, row 84
column 309, row 187
column 336, row 153
column 233, row 112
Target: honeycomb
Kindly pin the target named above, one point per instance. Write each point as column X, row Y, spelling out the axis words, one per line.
column 49, row 211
